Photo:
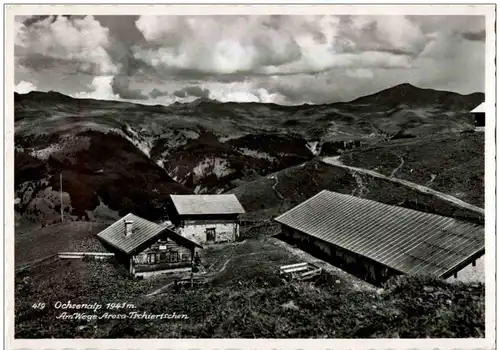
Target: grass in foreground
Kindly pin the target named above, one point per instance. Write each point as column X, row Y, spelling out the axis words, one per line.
column 37, row 243
column 246, row 300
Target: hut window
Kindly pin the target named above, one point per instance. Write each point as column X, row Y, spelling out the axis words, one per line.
column 151, row 258
column 174, row 256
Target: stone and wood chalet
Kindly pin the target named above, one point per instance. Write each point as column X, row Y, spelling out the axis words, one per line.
column 145, row 247
column 206, row 219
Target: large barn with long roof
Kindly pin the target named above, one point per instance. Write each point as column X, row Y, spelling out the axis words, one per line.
column 376, row 241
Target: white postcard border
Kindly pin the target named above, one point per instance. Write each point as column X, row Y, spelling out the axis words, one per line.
column 422, row 9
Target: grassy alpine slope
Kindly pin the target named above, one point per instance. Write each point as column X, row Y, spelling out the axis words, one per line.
column 243, row 305
column 119, row 157
column 453, row 164
column 274, row 194
column 130, row 157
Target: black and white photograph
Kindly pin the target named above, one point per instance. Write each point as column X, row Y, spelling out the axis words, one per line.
column 251, row 175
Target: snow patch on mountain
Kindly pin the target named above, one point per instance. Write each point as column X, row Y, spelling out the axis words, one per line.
column 314, row 147
column 144, row 144
column 67, row 145
column 216, row 166
column 174, row 140
column 46, row 152
column 255, row 154
column 233, row 136
column 173, row 174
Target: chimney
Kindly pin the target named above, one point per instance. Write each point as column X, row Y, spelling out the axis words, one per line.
column 128, row 227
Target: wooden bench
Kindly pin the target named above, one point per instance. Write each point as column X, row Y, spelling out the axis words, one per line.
column 300, row 271
column 197, row 281
column 81, row 255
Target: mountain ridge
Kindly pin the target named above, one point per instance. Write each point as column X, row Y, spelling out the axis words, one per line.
column 393, row 90
column 201, row 147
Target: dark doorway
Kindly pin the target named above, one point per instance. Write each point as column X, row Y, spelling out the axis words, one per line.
column 479, row 119
column 210, row 234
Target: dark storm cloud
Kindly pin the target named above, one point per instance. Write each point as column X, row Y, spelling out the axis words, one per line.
column 314, row 58
column 120, row 86
column 375, row 35
column 474, row 36
column 33, row 19
column 40, row 62
column 180, row 93
column 155, row 93
column 123, row 28
column 194, row 91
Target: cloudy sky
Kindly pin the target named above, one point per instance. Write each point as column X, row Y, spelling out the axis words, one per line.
column 280, row 59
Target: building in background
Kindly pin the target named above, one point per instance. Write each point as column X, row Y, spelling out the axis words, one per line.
column 206, row 219
column 376, row 241
column 148, row 248
column 479, row 116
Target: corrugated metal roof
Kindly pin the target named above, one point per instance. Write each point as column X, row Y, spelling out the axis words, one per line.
column 142, row 231
column 207, row 204
column 479, row 109
column 406, row 240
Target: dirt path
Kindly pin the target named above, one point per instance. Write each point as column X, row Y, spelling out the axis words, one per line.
column 276, row 180
column 399, row 167
column 335, row 161
column 159, row 290
column 213, row 273
column 210, row 273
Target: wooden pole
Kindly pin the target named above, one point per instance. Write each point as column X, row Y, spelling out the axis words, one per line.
column 192, row 267
column 61, row 196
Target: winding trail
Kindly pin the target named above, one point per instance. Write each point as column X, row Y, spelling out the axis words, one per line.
column 209, row 274
column 433, row 177
column 335, row 161
column 276, row 180
column 399, row 166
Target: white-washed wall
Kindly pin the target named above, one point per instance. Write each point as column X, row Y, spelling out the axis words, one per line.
column 224, row 232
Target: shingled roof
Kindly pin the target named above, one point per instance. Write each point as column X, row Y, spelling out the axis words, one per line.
column 408, row 241
column 143, row 232
column 207, row 204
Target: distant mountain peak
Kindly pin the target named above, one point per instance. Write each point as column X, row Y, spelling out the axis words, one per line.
column 408, row 94
column 405, row 85
column 42, row 96
column 205, row 100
